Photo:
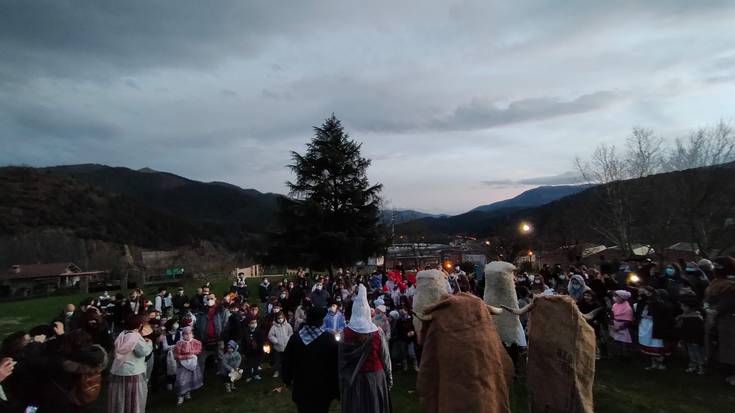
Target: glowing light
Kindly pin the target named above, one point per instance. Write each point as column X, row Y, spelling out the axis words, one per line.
column 530, row 253
column 634, row 278
column 448, row 265
column 487, row 242
column 338, row 337
column 525, row 227
column 266, row 349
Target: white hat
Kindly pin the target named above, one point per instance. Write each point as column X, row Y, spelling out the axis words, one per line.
column 381, row 308
column 360, row 321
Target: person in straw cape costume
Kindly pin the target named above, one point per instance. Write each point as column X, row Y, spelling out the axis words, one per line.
column 464, row 366
column 364, row 363
column 561, row 355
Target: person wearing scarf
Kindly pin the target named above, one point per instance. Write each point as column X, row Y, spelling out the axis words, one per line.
column 188, row 373
column 309, row 365
column 364, row 363
column 128, row 385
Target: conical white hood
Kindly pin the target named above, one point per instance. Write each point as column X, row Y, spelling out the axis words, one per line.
column 360, row 321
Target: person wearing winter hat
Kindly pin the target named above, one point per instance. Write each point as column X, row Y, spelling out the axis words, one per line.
column 229, row 363
column 309, row 365
column 364, row 362
column 622, row 320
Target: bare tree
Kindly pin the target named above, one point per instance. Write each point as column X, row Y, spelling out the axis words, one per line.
column 705, row 146
column 608, row 170
column 644, row 153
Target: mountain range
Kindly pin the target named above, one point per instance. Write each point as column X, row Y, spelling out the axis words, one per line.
column 157, row 209
column 534, row 197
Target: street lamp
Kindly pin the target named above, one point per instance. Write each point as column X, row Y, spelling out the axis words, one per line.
column 525, row 227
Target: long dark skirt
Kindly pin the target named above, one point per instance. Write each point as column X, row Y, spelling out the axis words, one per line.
column 368, row 394
column 128, row 394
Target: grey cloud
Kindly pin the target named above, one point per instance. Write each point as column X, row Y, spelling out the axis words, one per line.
column 39, row 121
column 132, row 84
column 94, row 39
column 566, row 178
column 480, row 114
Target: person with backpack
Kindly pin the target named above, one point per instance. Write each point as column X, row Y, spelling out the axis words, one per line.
column 128, row 385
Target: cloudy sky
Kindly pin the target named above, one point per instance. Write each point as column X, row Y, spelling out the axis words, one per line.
column 458, row 104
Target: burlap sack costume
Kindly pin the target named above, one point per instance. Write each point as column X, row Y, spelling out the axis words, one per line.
column 500, row 290
column 464, row 367
column 561, row 357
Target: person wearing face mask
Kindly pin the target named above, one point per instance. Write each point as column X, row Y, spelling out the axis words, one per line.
column 252, row 350
column 265, row 291
column 576, row 287
column 94, row 324
column 278, row 336
column 656, row 315
column 334, row 321
column 178, row 301
column 320, row 297
column 211, row 321
column 171, row 337
column 284, row 302
column 189, row 376
column 671, row 280
column 68, row 317
column 538, row 286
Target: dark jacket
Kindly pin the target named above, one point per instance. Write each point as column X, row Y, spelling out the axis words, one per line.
column 320, row 298
column 178, row 301
column 234, row 328
column 264, row 291
column 252, row 343
column 202, row 321
column 690, row 328
column 311, row 371
column 662, row 312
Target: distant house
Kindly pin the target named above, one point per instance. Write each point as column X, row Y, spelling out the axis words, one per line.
column 24, row 280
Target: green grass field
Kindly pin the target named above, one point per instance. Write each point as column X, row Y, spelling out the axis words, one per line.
column 619, row 387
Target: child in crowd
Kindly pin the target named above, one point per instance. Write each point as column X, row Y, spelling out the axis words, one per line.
column 278, row 336
column 622, row 319
column 334, row 322
column 690, row 329
column 188, row 375
column 170, row 338
column 230, row 362
column 252, row 349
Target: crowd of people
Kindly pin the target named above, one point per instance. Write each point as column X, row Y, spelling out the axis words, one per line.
column 339, row 337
